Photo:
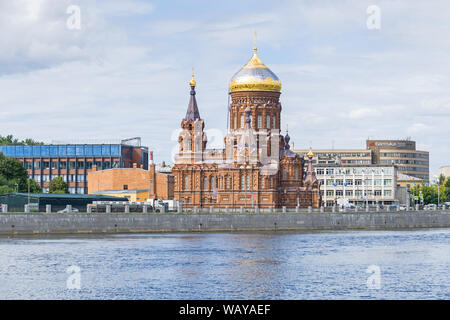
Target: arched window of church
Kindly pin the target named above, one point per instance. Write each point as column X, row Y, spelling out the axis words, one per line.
column 271, row 183
column 296, row 173
column 247, row 183
column 259, row 121
column 268, row 121
column 205, row 182
column 186, row 183
column 251, row 120
column 262, row 182
column 227, row 182
column 189, row 144
column 274, row 124
column 242, row 121
column 212, row 184
column 242, row 182
column 284, row 174
column 235, row 122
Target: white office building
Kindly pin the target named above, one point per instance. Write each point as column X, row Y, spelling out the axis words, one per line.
column 359, row 184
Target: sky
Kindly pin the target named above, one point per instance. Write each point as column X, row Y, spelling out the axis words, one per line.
column 125, row 71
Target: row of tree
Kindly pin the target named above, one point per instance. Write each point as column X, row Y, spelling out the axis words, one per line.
column 14, row 178
column 431, row 193
column 9, row 139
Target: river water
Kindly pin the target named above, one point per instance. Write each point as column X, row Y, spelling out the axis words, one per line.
column 412, row 264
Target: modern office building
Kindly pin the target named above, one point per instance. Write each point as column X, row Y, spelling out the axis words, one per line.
column 73, row 161
column 401, row 153
column 360, row 184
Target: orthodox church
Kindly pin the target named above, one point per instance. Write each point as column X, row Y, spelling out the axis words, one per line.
column 256, row 168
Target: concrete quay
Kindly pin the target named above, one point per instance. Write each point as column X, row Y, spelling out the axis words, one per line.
column 79, row 223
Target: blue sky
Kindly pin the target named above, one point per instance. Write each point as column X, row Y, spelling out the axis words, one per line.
column 125, row 73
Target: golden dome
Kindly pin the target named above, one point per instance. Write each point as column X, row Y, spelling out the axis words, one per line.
column 255, row 76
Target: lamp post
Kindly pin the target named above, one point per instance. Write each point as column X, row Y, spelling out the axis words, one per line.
column 438, row 186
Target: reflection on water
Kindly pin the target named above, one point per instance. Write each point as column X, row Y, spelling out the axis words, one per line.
column 260, row 265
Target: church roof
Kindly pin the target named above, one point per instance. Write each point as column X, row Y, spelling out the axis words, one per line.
column 255, row 76
column 192, row 112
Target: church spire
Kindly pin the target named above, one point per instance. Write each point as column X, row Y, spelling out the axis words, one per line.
column 192, row 113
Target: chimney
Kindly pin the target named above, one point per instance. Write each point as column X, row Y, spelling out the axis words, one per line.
column 150, row 157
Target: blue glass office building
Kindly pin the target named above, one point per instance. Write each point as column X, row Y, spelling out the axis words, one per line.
column 73, row 161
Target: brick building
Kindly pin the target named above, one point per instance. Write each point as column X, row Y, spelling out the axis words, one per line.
column 136, row 183
column 256, row 167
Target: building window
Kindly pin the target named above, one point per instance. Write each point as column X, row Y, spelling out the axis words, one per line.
column 259, row 121
column 63, row 165
column 349, row 193
column 242, row 182
column 45, row 165
column 330, row 193
column 189, row 146
column 378, row 192
column 235, row 122
column 242, row 121
column 37, row 165
column 28, row 165
column 387, row 193
column 247, row 182
column 284, row 174
column 205, row 183
column 186, row 185
column 320, row 171
column 296, row 173
column 227, row 182
column 358, row 193
column 367, row 182
column 271, row 183
column 212, row 183
column 339, row 192
column 125, row 187
column 387, row 182
column 358, row 182
column 262, row 183
column 268, row 122
column 71, row 165
column 377, row 182
column 274, row 124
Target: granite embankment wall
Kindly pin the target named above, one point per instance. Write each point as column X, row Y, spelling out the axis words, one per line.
column 38, row 223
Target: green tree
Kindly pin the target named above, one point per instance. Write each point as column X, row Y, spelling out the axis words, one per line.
column 57, row 185
column 14, row 173
column 34, row 186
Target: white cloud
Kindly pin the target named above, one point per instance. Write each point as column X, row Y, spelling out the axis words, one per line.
column 125, row 72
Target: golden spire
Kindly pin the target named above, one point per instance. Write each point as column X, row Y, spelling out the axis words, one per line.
column 254, row 46
column 310, row 154
column 192, row 83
